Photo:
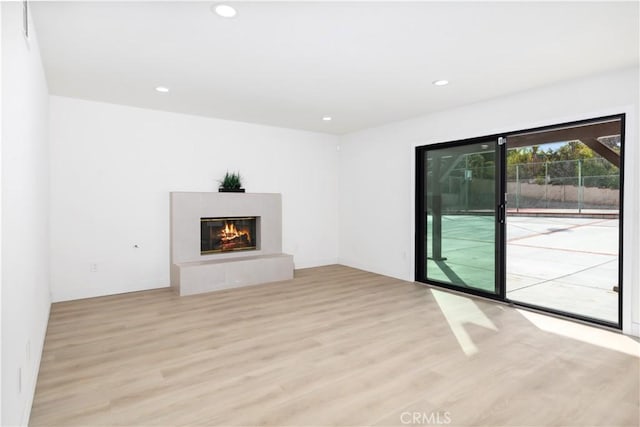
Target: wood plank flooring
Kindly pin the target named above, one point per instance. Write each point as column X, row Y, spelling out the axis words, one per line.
column 335, row 346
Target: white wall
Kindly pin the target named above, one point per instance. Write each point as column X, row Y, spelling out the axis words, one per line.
column 25, row 215
column 112, row 168
column 377, row 169
column 1, row 214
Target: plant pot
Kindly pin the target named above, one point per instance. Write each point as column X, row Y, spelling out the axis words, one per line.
column 230, row 190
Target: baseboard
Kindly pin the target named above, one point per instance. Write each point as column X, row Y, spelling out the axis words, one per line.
column 368, row 268
column 635, row 329
column 26, row 412
column 310, row 263
column 76, row 294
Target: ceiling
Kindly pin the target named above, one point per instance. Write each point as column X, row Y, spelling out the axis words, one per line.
column 291, row 63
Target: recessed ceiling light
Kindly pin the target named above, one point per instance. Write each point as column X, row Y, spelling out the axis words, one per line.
column 327, row 118
column 224, row 10
column 162, row 89
column 441, row 82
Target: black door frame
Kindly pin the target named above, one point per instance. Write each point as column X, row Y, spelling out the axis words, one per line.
column 420, row 263
column 500, row 217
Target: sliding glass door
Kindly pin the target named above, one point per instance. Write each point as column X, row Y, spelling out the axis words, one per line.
column 555, row 246
column 459, row 225
column 563, row 219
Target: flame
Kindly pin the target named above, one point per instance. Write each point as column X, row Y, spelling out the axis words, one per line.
column 230, row 232
column 230, row 229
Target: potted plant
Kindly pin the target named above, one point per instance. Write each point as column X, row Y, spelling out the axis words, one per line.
column 231, row 183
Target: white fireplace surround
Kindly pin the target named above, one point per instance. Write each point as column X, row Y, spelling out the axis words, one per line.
column 193, row 273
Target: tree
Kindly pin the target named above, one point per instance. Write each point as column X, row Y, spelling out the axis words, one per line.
column 562, row 164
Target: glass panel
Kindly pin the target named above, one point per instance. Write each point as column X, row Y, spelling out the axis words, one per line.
column 460, row 215
column 563, row 219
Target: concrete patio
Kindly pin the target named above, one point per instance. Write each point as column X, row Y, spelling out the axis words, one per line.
column 564, row 263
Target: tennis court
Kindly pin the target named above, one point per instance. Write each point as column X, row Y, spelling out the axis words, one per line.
column 565, row 263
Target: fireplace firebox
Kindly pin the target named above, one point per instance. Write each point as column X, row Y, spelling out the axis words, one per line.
column 227, row 234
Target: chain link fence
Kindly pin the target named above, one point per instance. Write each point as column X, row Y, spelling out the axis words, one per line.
column 568, row 184
column 562, row 185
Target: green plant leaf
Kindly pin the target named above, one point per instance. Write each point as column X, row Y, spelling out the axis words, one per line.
column 231, row 181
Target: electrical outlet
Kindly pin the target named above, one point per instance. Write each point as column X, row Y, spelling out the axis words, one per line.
column 93, row 268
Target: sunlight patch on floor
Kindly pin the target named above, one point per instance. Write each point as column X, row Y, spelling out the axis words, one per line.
column 588, row 334
column 459, row 311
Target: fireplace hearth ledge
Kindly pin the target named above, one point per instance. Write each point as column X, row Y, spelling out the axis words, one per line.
column 190, row 278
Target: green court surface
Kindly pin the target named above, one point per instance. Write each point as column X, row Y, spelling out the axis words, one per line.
column 564, row 263
column 469, row 249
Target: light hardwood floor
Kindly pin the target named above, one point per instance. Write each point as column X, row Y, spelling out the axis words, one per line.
column 334, row 346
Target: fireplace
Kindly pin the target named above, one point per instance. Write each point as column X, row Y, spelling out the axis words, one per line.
column 240, row 241
column 228, row 234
